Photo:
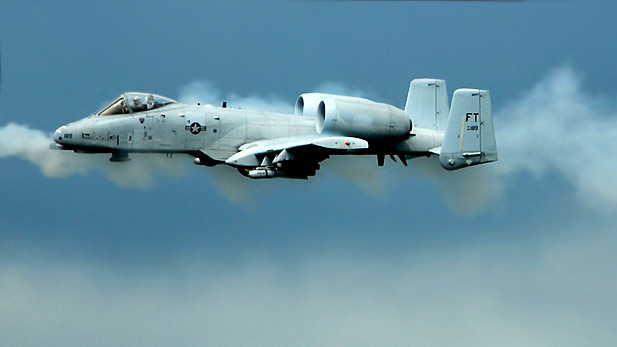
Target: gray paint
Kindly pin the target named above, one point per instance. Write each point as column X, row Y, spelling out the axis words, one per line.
column 290, row 145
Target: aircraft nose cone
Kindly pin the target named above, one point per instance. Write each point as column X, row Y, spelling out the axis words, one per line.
column 59, row 134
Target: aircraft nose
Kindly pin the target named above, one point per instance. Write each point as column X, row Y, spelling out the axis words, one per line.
column 59, row 134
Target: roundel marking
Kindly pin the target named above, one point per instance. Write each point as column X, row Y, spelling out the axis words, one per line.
column 195, row 128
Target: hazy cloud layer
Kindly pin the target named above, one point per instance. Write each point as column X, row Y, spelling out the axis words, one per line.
column 538, row 294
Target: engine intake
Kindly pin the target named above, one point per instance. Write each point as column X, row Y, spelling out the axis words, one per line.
column 353, row 116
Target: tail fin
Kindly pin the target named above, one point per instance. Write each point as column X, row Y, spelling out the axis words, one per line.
column 427, row 103
column 470, row 136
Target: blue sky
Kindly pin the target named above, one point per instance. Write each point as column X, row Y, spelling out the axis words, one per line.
column 520, row 252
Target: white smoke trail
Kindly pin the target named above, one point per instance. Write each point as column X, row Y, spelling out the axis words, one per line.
column 557, row 127
column 560, row 127
column 206, row 93
column 465, row 190
column 337, row 88
column 242, row 191
column 23, row 142
column 32, row 145
column 468, row 192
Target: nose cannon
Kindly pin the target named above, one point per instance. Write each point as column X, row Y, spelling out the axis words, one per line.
column 119, row 157
column 60, row 136
column 64, row 135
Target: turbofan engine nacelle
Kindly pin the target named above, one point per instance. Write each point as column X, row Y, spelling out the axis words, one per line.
column 353, row 116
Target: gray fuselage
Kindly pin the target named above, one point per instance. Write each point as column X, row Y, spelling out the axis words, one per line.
column 215, row 131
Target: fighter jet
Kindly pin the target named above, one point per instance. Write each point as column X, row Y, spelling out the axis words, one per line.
column 268, row 144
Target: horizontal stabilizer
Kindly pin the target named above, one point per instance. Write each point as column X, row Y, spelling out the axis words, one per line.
column 436, row 150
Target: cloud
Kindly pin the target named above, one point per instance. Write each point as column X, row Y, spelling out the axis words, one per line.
column 538, row 294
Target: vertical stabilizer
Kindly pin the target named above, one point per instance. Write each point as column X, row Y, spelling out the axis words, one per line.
column 470, row 136
column 427, row 103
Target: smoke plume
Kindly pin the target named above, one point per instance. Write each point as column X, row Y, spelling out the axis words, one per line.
column 206, row 93
column 33, row 145
column 555, row 128
column 560, row 127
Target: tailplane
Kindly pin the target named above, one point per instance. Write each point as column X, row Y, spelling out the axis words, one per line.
column 470, row 137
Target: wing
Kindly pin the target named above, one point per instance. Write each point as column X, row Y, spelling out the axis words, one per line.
column 297, row 156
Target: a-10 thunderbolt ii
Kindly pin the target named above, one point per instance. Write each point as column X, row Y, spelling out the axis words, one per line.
column 267, row 144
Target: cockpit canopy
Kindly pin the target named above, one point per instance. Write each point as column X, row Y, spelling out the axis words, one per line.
column 133, row 102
